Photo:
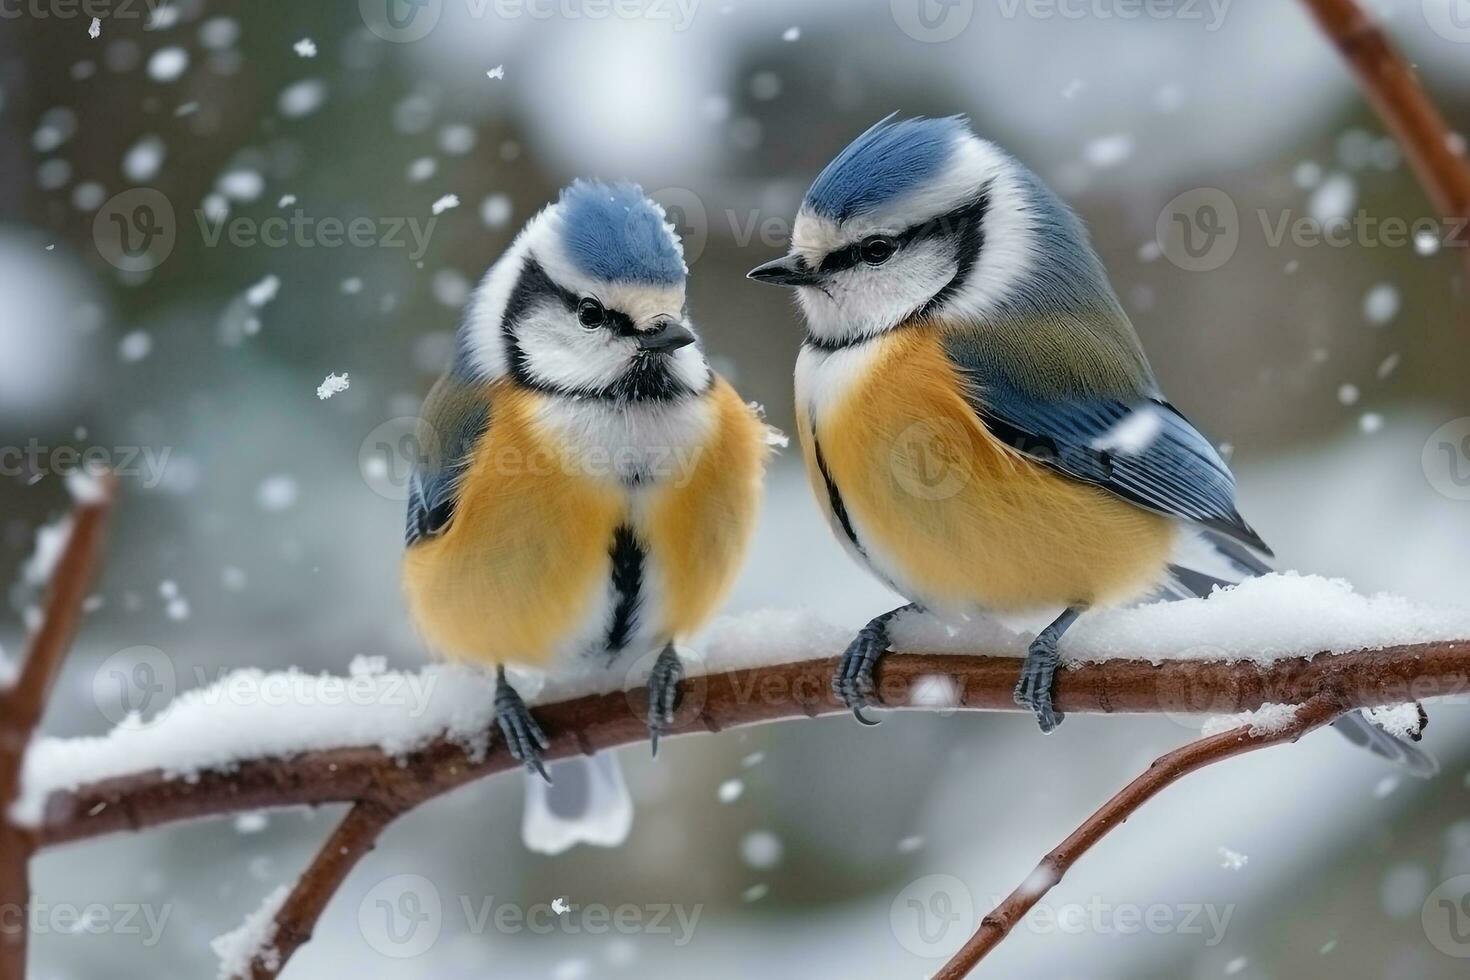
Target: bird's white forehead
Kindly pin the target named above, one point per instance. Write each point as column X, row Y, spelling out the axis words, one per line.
column 974, row 164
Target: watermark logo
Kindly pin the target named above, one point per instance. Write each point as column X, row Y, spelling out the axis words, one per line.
column 400, row 21
column 135, row 230
column 1450, row 19
column 1209, row 13
column 1199, row 230
column 301, row 230
column 933, row 915
column 389, row 455
column 89, row 9
column 131, row 686
column 1445, row 917
column 685, row 210
column 401, row 917
column 94, row 919
column 932, row 21
column 928, row 459
column 1446, row 459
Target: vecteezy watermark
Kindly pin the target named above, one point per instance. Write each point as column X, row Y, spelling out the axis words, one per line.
column 72, row 9
column 932, row 21
column 1450, row 19
column 933, row 915
column 403, row 916
column 1201, row 229
column 1446, row 459
column 132, row 686
column 94, row 919
column 1210, row 14
column 404, row 449
column 145, row 463
column 1445, row 917
column 301, row 230
column 928, row 459
column 405, row 21
column 135, row 230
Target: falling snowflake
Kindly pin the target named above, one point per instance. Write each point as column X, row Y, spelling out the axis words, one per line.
column 791, row 34
column 445, row 203
column 497, row 73
column 305, row 47
column 95, row 30
column 331, row 384
column 1231, row 860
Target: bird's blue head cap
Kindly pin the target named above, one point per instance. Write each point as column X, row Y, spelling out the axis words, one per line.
column 614, row 233
column 893, row 158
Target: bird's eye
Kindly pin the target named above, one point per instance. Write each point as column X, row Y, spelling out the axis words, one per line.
column 876, row 250
column 590, row 314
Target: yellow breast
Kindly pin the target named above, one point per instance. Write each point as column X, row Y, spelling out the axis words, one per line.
column 951, row 516
column 524, row 571
column 525, row 557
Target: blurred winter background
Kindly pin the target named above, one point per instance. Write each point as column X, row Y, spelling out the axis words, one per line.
column 182, row 333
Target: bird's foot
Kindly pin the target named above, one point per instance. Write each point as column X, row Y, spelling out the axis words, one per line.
column 523, row 736
column 853, row 682
column 1038, row 676
column 663, row 694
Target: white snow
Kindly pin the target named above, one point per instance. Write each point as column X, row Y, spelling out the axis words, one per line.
column 331, row 385
column 263, row 292
column 1133, row 433
column 302, row 98
column 1261, row 620
column 95, row 31
column 444, row 204
column 305, row 47
column 144, row 159
column 1381, row 304
column 1231, row 860
column 251, row 713
column 497, row 73
column 237, row 948
column 168, row 64
column 1397, row 719
column 1268, row 719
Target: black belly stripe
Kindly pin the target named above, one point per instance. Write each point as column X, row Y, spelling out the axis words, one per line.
column 627, row 580
column 834, row 496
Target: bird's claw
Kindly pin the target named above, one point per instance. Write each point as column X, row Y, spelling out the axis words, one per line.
column 663, row 694
column 1038, row 676
column 524, row 738
column 853, row 682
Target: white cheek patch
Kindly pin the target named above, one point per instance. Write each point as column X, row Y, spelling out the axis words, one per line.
column 867, row 300
column 559, row 351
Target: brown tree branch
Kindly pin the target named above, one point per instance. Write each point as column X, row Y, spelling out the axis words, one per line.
column 730, row 699
column 23, row 704
column 354, row 837
column 1394, row 91
column 1322, row 709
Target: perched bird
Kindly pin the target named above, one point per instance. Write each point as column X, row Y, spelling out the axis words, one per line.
column 588, row 485
column 979, row 421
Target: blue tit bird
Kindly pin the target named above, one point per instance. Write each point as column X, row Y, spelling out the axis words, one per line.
column 589, row 486
column 979, row 421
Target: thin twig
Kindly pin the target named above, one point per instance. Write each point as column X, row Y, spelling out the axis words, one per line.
column 1393, row 89
column 1165, row 771
column 23, row 704
column 354, row 837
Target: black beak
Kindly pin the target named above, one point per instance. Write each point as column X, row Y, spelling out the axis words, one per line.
column 789, row 270
column 666, row 338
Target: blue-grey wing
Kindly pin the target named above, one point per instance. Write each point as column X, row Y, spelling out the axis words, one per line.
column 454, row 418
column 1139, row 448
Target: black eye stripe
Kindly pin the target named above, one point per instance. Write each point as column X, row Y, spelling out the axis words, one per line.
column 949, row 223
